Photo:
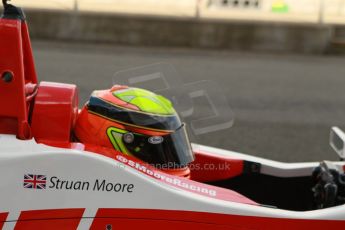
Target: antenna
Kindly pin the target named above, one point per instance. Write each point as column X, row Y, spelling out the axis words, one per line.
column 4, row 2
column 12, row 12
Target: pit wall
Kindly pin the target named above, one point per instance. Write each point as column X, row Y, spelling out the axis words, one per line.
column 311, row 26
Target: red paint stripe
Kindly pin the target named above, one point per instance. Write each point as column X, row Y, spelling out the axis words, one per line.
column 3, row 217
column 129, row 218
column 63, row 219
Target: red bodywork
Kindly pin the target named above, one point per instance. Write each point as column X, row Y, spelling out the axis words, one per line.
column 17, row 60
column 54, row 113
column 69, row 219
column 3, row 217
column 62, row 219
column 221, row 167
column 48, row 105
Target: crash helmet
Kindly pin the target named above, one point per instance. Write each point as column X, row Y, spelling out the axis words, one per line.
column 138, row 123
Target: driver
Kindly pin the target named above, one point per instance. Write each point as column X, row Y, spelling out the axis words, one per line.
column 138, row 123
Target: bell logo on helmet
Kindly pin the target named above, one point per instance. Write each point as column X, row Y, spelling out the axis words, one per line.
column 155, row 140
column 128, row 138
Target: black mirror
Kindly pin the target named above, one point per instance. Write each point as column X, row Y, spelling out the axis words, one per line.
column 337, row 141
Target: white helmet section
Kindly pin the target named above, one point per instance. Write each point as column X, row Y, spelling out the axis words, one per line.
column 92, row 175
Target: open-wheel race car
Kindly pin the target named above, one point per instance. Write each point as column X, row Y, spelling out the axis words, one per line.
column 54, row 175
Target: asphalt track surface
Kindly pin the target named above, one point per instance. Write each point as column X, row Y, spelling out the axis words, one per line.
column 284, row 105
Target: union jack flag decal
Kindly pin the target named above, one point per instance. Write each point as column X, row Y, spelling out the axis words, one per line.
column 35, row 181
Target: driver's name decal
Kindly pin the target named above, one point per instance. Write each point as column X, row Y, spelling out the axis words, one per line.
column 56, row 183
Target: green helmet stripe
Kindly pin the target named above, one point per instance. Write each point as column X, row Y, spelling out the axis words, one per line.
column 146, row 101
column 115, row 137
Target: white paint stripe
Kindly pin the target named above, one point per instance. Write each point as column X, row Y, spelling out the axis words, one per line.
column 12, row 216
column 88, row 217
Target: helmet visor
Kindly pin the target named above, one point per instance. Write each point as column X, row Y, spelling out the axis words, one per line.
column 164, row 152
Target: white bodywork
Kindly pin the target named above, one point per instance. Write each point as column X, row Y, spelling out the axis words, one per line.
column 18, row 158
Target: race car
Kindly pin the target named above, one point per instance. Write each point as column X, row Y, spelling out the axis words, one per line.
column 56, row 177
